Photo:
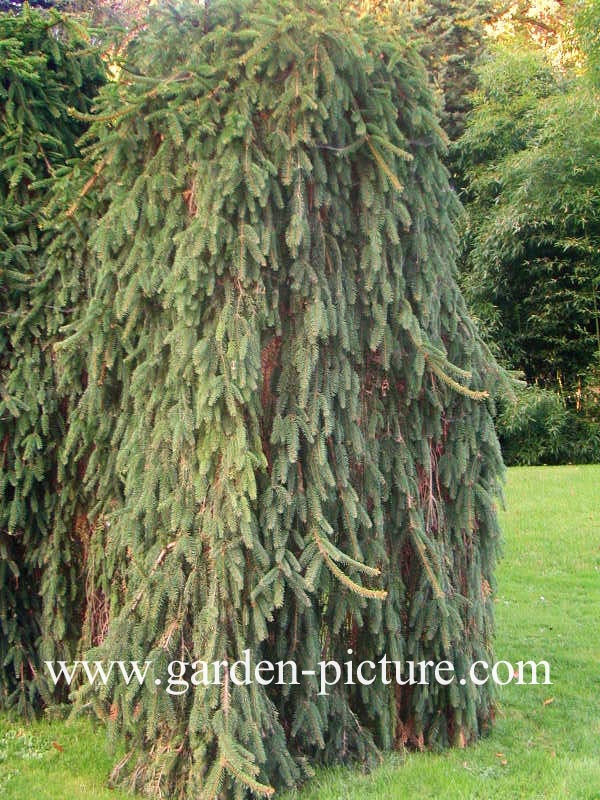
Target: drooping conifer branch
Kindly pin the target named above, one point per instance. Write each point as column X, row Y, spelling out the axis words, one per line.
column 282, row 379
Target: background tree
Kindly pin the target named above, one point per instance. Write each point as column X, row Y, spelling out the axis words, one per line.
column 531, row 154
column 46, row 67
column 452, row 40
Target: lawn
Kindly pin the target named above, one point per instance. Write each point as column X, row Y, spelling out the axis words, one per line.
column 546, row 742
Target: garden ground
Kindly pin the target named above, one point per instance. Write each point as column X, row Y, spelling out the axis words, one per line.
column 546, row 741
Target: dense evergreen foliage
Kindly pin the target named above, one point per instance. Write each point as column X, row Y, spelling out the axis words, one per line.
column 286, row 410
column 45, row 68
column 451, row 40
column 450, row 36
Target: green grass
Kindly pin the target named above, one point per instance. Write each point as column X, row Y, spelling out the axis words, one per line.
column 54, row 760
column 548, row 607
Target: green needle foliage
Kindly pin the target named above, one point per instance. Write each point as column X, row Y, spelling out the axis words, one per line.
column 452, row 35
column 46, row 66
column 286, row 416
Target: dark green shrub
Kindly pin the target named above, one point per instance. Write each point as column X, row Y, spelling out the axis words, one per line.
column 540, row 428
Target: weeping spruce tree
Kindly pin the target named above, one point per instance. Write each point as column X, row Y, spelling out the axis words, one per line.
column 46, row 67
column 287, row 409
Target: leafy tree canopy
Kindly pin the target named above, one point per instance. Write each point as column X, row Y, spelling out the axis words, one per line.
column 532, row 156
